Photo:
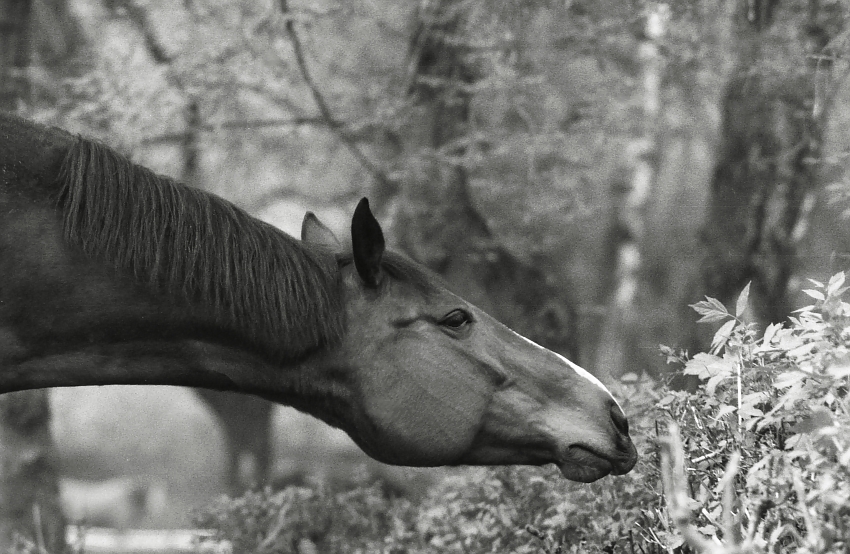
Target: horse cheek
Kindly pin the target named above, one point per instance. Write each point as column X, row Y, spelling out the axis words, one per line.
column 430, row 411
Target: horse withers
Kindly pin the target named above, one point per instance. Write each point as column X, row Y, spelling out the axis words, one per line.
column 110, row 274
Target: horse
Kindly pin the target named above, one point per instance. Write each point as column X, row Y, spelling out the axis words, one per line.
column 112, row 274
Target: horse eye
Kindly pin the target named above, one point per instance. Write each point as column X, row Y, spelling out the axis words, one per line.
column 456, row 319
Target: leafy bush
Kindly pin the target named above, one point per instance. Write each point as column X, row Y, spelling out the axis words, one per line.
column 766, row 455
column 778, row 403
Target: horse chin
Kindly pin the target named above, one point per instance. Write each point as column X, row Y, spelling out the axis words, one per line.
column 584, row 466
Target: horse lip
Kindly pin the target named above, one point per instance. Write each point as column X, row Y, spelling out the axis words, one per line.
column 585, row 465
column 625, row 462
column 581, row 474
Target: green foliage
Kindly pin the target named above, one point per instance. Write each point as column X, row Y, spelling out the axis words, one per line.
column 777, row 398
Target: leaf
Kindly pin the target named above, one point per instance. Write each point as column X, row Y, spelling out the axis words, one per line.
column 751, row 411
column 629, row 378
column 715, row 380
column 794, row 393
column 706, row 366
column 835, row 283
column 743, row 298
column 840, row 292
column 713, row 317
column 724, row 410
column 671, row 355
column 803, row 350
column 839, row 371
column 754, row 398
column 666, row 400
column 819, row 418
column 770, row 332
column 711, row 310
column 789, row 341
column 818, row 284
column 670, row 541
column 816, row 294
column 792, row 441
column 709, row 530
column 722, row 336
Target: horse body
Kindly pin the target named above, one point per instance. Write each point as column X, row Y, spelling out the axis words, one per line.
column 110, row 274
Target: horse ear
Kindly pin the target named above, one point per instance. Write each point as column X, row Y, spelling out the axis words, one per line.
column 367, row 242
column 316, row 233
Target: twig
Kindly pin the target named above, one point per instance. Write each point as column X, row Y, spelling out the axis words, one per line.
column 324, row 109
column 246, row 124
column 39, row 531
column 738, row 367
column 276, row 529
column 708, row 456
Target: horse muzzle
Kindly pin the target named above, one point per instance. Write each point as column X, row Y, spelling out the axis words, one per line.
column 610, row 452
column 585, row 466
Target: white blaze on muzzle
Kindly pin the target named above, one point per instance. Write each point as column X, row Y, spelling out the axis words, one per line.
column 575, row 367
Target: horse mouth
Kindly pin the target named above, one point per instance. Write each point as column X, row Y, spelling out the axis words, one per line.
column 585, row 466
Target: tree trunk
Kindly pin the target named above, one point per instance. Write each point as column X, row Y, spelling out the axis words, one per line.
column 29, row 486
column 14, row 50
column 664, row 211
column 437, row 221
column 763, row 176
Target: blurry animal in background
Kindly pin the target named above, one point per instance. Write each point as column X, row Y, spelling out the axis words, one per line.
column 247, row 424
column 114, row 275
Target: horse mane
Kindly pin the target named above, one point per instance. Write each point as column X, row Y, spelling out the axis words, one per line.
column 255, row 280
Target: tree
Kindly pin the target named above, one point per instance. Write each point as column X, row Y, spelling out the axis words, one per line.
column 771, row 133
column 29, row 490
column 438, row 220
column 29, row 486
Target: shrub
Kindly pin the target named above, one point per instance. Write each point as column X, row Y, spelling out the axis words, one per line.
column 777, row 403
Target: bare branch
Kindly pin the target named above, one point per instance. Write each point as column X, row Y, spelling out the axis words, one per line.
column 246, row 124
column 324, row 109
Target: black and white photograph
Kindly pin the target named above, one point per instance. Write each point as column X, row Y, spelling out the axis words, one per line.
column 424, row 277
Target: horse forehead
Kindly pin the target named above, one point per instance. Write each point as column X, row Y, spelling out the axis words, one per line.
column 420, row 295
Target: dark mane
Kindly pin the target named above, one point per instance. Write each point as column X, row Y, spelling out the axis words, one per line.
column 255, row 280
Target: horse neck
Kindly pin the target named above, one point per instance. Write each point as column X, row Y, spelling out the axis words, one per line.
column 314, row 384
column 121, row 364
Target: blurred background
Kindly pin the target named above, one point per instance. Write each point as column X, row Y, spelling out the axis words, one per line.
column 581, row 169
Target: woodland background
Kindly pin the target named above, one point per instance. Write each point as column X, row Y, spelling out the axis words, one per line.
column 583, row 170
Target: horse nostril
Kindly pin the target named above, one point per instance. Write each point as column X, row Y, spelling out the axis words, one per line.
column 619, row 419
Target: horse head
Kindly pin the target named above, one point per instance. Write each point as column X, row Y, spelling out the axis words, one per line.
column 428, row 379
